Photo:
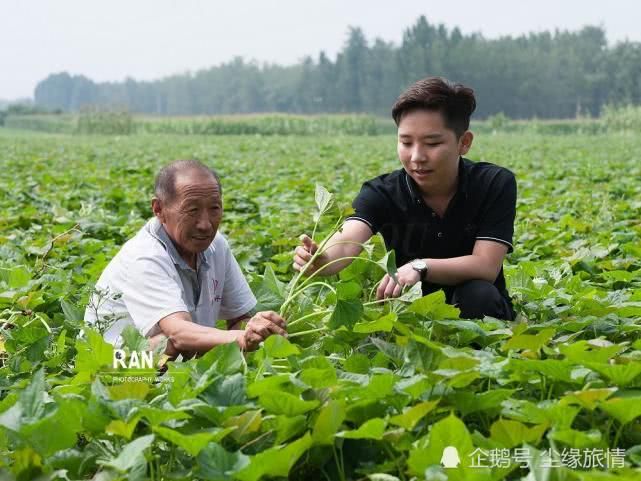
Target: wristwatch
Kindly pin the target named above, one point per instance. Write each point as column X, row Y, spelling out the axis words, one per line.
column 420, row 266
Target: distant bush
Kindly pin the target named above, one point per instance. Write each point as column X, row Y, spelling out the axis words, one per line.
column 498, row 121
column 52, row 123
column 277, row 124
column 625, row 118
column 23, row 110
column 93, row 120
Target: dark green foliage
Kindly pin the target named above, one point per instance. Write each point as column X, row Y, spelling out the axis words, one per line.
column 560, row 74
column 378, row 390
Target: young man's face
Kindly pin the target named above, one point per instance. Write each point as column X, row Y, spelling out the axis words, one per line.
column 429, row 151
column 193, row 217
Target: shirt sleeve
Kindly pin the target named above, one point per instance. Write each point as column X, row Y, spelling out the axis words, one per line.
column 370, row 207
column 238, row 299
column 153, row 292
column 499, row 211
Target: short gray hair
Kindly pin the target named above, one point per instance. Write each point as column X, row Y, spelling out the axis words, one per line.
column 165, row 185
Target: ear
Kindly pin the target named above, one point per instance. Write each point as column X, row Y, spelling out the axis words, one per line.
column 157, row 209
column 465, row 142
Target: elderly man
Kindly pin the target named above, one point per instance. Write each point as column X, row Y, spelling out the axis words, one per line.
column 178, row 276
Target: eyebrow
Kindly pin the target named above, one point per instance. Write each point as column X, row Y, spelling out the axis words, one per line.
column 428, row 136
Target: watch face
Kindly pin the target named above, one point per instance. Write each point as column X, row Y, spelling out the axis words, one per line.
column 419, row 265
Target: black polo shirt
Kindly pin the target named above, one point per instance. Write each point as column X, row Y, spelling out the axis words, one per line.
column 483, row 207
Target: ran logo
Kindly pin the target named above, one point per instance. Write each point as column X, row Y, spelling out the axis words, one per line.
column 137, row 359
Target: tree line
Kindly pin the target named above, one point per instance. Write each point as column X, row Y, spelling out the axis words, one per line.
column 558, row 74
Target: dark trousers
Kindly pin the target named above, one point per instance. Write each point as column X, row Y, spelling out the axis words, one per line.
column 477, row 299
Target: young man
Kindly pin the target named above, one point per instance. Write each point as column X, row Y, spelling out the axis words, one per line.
column 450, row 221
column 178, row 276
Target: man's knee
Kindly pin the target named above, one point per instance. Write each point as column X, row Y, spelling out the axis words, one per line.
column 477, row 299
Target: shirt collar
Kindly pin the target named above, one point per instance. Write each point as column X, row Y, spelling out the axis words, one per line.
column 157, row 230
column 462, row 187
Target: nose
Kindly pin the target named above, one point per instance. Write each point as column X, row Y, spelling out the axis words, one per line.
column 203, row 222
column 418, row 156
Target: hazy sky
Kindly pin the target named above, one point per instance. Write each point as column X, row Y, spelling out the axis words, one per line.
column 148, row 39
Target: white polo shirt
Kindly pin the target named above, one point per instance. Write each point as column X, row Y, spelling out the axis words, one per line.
column 148, row 280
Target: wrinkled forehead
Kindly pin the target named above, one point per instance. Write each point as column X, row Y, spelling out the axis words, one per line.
column 197, row 184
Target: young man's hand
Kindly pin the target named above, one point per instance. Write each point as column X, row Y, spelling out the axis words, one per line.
column 406, row 276
column 303, row 254
column 259, row 328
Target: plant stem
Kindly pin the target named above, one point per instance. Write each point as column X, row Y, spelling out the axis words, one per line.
column 313, row 314
column 617, row 435
column 303, row 333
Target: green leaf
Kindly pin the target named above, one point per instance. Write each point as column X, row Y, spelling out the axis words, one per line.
column 329, row 420
column 429, row 451
column 192, row 443
column 275, row 461
column 32, row 399
column 277, row 346
column 358, row 363
column 133, row 340
column 348, row 290
column 382, row 324
column 470, row 402
column 319, row 378
column 157, row 416
column 216, row 464
column 388, row 264
column 372, row 429
column 531, row 342
column 261, row 386
column 346, row 313
column 272, row 283
column 131, row 455
column 620, row 374
column 225, row 359
column 623, row 410
column 581, row 351
column 226, row 391
column 550, row 368
column 16, row 277
column 323, row 199
column 513, row 433
column 121, row 428
column 588, row 398
column 577, row 439
column 93, row 353
column 129, row 390
column 65, row 422
column 247, row 423
column 12, row 417
column 71, row 311
column 410, row 417
column 285, row 403
column 433, row 306
column 286, row 427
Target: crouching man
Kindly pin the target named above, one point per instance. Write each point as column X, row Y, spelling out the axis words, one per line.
column 449, row 220
column 177, row 276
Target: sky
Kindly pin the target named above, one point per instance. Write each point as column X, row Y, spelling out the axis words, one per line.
column 150, row 39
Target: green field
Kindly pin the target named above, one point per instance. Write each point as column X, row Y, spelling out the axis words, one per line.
column 361, row 390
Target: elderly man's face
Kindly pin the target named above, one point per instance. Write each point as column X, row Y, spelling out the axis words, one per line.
column 193, row 217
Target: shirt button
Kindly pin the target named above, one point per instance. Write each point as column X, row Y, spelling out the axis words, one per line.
column 440, row 234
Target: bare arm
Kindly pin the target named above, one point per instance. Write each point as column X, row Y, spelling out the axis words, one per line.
column 484, row 263
column 342, row 244
column 186, row 336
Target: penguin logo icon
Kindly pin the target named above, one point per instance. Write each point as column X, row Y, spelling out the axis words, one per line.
column 450, row 458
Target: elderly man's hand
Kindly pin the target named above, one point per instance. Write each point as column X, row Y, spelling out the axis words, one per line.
column 259, row 328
